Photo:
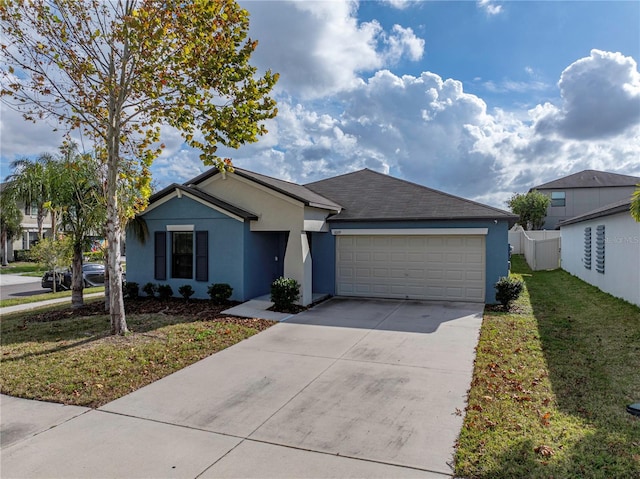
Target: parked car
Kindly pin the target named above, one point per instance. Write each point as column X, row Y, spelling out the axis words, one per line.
column 92, row 275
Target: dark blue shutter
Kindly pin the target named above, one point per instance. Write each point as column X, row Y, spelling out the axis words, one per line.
column 202, row 256
column 160, row 255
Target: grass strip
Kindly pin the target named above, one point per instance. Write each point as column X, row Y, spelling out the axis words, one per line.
column 550, row 385
column 36, row 298
column 32, row 269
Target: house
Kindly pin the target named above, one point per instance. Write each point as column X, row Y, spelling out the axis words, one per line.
column 360, row 234
column 602, row 247
column 582, row 192
column 29, row 225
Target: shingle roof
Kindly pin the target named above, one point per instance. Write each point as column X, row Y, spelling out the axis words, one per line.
column 198, row 193
column 621, row 206
column 292, row 190
column 590, row 179
column 370, row 196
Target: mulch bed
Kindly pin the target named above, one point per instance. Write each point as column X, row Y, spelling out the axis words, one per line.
column 204, row 310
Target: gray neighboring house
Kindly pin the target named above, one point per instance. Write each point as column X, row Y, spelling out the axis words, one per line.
column 29, row 225
column 583, row 192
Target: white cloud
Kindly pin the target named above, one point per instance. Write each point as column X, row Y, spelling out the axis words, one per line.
column 601, row 98
column 400, row 4
column 490, row 7
column 320, row 48
column 429, row 130
column 507, row 86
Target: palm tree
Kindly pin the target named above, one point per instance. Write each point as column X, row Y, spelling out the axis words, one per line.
column 78, row 199
column 635, row 204
column 31, row 183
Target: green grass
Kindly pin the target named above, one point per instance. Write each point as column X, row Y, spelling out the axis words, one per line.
column 24, row 268
column 551, row 383
column 45, row 296
column 76, row 361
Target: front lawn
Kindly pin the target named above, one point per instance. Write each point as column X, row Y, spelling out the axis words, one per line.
column 551, row 382
column 68, row 356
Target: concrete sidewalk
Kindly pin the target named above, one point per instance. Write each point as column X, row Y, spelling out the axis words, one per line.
column 350, row 388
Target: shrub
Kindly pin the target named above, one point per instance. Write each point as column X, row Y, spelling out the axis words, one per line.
column 164, row 291
column 220, row 292
column 284, row 292
column 94, row 257
column 508, row 290
column 22, row 255
column 186, row 291
column 150, row 289
column 130, row 289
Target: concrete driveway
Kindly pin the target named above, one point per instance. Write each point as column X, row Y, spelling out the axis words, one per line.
column 350, row 388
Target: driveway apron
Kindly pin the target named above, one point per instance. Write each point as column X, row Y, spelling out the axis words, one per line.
column 350, row 388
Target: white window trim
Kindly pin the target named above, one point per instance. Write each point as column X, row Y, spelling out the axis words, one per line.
column 180, row 228
column 412, row 232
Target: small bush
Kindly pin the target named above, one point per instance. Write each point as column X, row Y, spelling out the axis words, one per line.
column 150, row 290
column 508, row 290
column 164, row 291
column 22, row 255
column 94, row 257
column 130, row 289
column 284, row 292
column 186, row 291
column 220, row 292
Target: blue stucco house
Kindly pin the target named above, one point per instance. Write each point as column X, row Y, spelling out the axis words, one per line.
column 361, row 234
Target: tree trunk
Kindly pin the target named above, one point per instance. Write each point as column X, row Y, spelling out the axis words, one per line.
column 107, row 296
column 54, row 224
column 77, row 281
column 116, row 301
column 40, row 221
column 5, row 248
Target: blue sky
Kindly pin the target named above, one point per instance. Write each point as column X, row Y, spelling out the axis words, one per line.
column 477, row 98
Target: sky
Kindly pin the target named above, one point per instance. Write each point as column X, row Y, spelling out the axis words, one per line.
column 480, row 99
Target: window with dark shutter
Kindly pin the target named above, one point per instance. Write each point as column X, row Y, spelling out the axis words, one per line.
column 160, row 255
column 202, row 256
column 586, row 260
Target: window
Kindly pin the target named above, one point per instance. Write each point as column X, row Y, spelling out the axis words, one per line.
column 182, row 254
column 558, row 198
column 187, row 248
column 31, row 209
column 600, row 242
column 586, row 260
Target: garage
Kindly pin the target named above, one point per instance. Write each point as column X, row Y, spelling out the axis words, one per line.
column 438, row 264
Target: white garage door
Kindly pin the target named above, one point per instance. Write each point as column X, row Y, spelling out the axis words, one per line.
column 449, row 268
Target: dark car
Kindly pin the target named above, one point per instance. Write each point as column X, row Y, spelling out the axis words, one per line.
column 92, row 275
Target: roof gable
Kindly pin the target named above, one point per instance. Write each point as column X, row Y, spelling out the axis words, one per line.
column 622, row 206
column 369, row 195
column 292, row 190
column 590, row 179
column 176, row 190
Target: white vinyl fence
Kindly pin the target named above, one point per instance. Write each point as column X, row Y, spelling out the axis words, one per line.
column 541, row 249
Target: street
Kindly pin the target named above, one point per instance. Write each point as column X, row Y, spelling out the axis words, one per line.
column 17, row 286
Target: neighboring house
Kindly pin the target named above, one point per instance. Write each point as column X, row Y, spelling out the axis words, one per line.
column 360, row 234
column 602, row 247
column 582, row 192
column 29, row 229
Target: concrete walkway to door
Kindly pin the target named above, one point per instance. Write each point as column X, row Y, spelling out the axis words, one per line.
column 350, row 388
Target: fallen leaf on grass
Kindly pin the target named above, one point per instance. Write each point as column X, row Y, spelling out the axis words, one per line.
column 544, row 451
